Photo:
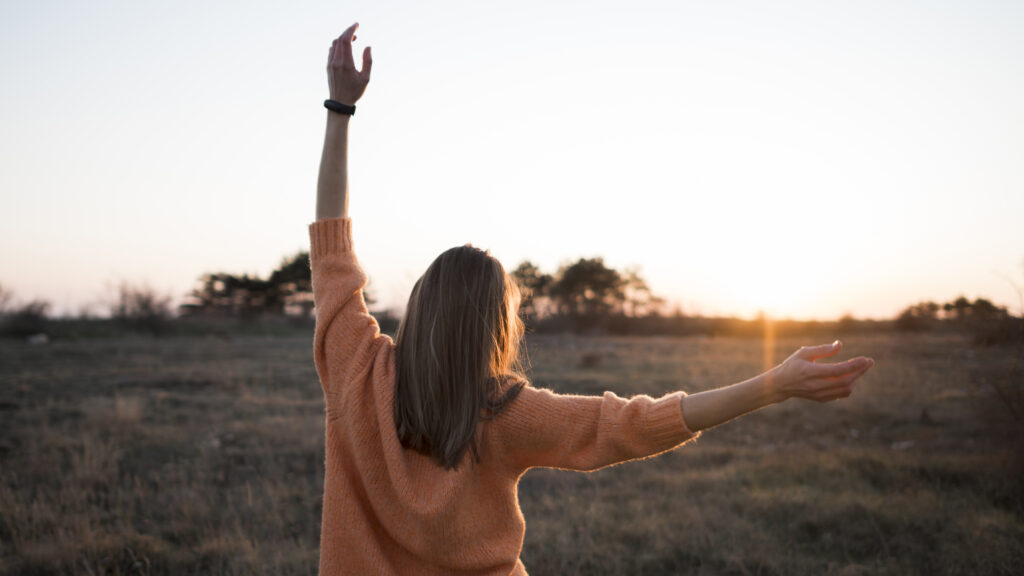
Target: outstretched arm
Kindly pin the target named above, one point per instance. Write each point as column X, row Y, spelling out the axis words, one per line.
column 346, row 86
column 798, row 377
column 541, row 428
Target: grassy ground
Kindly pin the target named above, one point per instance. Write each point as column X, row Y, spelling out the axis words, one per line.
column 205, row 456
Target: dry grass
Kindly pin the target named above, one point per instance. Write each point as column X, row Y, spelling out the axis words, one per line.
column 194, row 456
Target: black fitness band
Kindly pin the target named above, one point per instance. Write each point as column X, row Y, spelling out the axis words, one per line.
column 339, row 107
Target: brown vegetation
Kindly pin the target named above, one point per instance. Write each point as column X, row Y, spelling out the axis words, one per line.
column 205, row 456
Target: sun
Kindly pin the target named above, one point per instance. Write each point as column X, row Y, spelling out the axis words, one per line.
column 764, row 289
column 777, row 299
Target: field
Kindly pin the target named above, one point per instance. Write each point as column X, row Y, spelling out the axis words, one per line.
column 205, row 456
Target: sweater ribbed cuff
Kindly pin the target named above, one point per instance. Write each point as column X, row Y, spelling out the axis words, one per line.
column 330, row 236
column 666, row 421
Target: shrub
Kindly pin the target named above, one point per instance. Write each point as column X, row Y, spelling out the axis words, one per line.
column 6, row 297
column 142, row 308
column 25, row 320
column 920, row 316
column 1004, row 331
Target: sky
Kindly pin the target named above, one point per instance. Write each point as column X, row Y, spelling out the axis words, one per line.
column 804, row 159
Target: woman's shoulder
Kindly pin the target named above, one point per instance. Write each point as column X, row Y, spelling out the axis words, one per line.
column 524, row 406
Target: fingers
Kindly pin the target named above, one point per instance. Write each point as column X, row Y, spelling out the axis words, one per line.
column 341, row 56
column 841, row 389
column 842, row 386
column 337, row 53
column 346, row 83
column 847, row 379
column 367, row 63
column 833, row 392
column 823, row 351
column 349, row 32
column 839, row 368
column 345, row 42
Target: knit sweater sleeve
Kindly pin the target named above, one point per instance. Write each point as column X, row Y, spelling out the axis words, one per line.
column 543, row 429
column 346, row 335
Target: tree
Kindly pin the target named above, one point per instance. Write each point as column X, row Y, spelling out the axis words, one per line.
column 918, row 316
column 225, row 294
column 534, row 287
column 289, row 288
column 639, row 300
column 588, row 288
column 983, row 309
column 291, row 285
column 958, row 309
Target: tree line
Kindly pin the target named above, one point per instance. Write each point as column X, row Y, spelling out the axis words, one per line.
column 585, row 291
column 585, row 295
column 961, row 311
column 287, row 290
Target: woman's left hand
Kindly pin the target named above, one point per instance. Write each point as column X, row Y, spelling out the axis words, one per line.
column 346, row 83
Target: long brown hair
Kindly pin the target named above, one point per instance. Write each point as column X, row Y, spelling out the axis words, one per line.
column 457, row 354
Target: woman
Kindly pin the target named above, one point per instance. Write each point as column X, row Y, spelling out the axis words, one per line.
column 428, row 436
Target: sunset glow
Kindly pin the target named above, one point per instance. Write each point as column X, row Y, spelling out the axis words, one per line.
column 800, row 159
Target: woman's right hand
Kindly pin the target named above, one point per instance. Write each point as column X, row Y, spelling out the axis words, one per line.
column 799, row 376
column 346, row 83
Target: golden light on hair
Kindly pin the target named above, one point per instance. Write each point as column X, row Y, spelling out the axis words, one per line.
column 457, row 354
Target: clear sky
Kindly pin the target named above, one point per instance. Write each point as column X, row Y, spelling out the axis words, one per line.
column 808, row 159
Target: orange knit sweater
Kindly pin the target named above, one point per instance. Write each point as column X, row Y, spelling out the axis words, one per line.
column 391, row 510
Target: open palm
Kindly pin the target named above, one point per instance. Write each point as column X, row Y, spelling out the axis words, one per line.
column 801, row 376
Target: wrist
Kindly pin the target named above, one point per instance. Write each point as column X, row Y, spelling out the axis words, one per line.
column 337, row 121
column 774, row 385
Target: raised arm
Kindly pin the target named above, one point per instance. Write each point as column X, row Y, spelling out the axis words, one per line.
column 799, row 376
column 347, row 337
column 347, row 85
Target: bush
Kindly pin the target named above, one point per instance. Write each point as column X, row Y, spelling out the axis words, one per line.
column 1001, row 332
column 920, row 316
column 25, row 320
column 6, row 297
column 142, row 308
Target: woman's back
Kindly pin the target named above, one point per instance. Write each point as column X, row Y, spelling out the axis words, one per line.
column 392, row 509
